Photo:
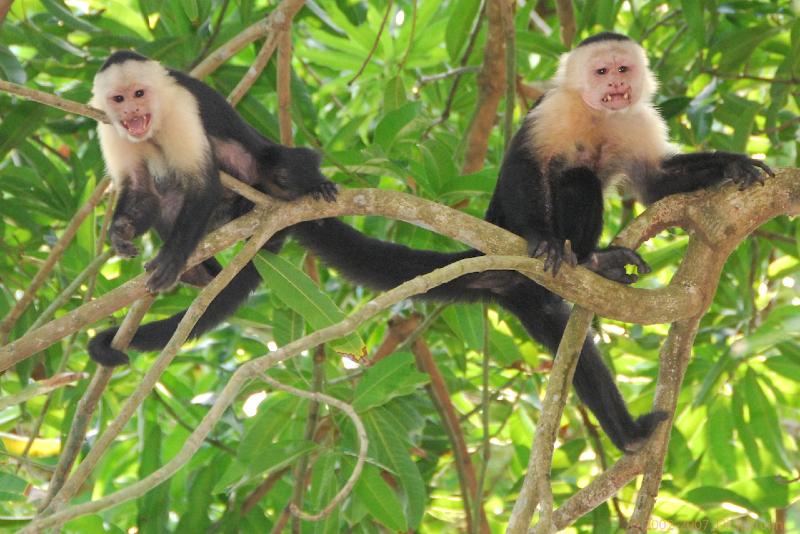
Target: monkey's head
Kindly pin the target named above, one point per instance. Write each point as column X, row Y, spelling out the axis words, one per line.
column 291, row 172
column 610, row 71
column 125, row 88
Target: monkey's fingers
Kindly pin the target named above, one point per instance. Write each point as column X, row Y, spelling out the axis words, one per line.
column 763, row 166
column 329, row 190
column 163, row 274
column 124, row 249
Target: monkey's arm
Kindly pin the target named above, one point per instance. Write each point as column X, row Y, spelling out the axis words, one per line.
column 683, row 173
column 200, row 196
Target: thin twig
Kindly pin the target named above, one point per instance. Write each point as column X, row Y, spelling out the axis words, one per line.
column 363, row 444
column 213, row 36
column 177, row 418
column 41, row 387
column 536, row 485
column 284, row 87
column 487, row 438
column 375, row 43
column 458, row 71
column 247, row 372
column 301, row 471
column 70, row 290
column 284, row 11
column 53, row 101
column 402, row 64
column 147, row 383
column 88, row 403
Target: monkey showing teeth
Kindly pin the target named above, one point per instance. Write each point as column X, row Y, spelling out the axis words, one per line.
column 597, row 124
column 169, row 137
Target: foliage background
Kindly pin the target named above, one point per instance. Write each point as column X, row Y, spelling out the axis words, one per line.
column 729, row 80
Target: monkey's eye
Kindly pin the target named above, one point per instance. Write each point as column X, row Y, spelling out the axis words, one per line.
column 139, row 93
column 118, row 98
column 622, row 68
column 601, row 71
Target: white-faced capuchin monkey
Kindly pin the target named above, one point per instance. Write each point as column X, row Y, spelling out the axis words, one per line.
column 596, row 126
column 169, row 137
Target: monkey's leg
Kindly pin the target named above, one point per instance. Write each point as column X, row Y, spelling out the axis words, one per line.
column 136, row 211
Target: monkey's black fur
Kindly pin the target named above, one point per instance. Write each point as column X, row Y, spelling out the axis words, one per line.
column 520, row 204
column 184, row 208
column 546, row 206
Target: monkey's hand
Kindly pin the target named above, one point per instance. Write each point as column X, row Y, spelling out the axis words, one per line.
column 122, row 233
column 327, row 190
column 611, row 263
column 744, row 171
column 164, row 272
column 555, row 252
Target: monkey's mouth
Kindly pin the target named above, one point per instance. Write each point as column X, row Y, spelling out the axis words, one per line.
column 138, row 125
column 617, row 100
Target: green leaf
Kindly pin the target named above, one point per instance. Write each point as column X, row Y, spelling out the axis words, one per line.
column 393, row 123
column 297, row 291
column 720, row 435
column 395, row 94
column 60, row 12
column 606, row 12
column 708, row 495
column 783, row 324
column 257, row 462
column 737, row 46
column 459, row 26
column 693, row 16
column 154, row 506
column 191, row 10
column 199, row 497
column 384, row 431
column 380, row 499
column 10, row 67
column 391, row 377
column 324, row 485
column 745, row 432
column 766, row 492
column 466, row 320
column 764, row 420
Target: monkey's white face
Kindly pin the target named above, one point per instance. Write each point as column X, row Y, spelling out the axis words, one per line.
column 131, row 94
column 131, row 109
column 610, row 76
column 612, row 81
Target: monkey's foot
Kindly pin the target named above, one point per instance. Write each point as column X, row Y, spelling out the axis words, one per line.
column 555, row 252
column 164, row 273
column 611, row 263
column 101, row 351
column 327, row 191
column 744, row 171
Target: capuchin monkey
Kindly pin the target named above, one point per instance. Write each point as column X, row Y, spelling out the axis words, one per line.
column 170, row 136
column 595, row 128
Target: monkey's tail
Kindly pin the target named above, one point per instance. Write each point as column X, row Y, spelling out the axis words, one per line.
column 154, row 336
column 383, row 265
column 379, row 264
column 593, row 382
